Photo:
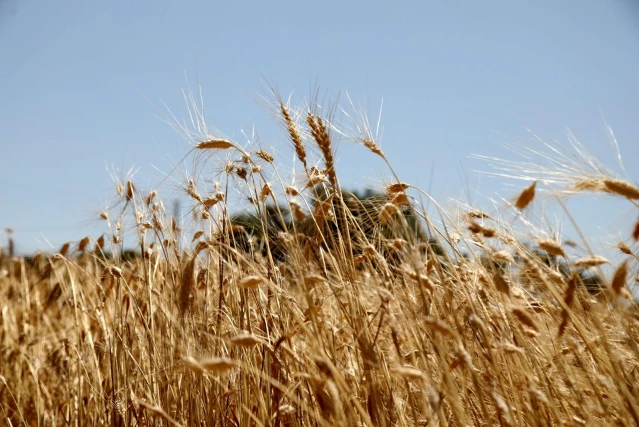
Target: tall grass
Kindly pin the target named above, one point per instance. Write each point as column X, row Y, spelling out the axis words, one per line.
column 339, row 318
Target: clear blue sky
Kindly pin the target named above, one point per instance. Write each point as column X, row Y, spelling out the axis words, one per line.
column 75, row 77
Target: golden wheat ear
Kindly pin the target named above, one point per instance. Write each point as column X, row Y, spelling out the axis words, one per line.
column 294, row 134
column 323, row 140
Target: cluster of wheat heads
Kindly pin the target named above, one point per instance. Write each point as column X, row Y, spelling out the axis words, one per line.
column 318, row 308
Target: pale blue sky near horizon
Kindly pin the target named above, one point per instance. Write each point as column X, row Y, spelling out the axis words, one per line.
column 76, row 78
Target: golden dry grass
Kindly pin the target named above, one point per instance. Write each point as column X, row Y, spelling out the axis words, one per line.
column 197, row 331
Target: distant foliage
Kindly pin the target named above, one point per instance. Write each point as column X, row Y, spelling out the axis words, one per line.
column 262, row 232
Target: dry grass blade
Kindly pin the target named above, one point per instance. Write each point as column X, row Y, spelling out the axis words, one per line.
column 215, row 144
column 525, row 197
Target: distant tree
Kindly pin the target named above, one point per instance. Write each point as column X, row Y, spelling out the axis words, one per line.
column 250, row 229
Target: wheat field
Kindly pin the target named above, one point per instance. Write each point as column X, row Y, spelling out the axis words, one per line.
column 321, row 308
